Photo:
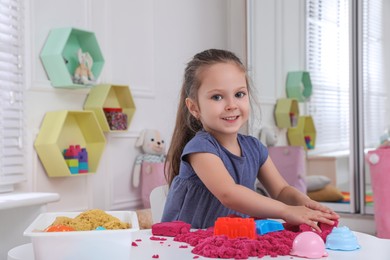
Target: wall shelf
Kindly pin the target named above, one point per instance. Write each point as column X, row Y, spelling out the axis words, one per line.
column 286, row 112
column 59, row 55
column 299, row 135
column 60, row 129
column 110, row 96
column 298, row 85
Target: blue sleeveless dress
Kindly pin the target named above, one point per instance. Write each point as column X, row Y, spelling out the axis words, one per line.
column 188, row 198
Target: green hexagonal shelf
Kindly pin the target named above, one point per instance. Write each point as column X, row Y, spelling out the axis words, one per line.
column 110, row 96
column 59, row 130
column 286, row 112
column 304, row 134
column 298, row 85
column 60, row 59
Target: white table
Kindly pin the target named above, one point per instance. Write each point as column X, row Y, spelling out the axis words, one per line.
column 371, row 248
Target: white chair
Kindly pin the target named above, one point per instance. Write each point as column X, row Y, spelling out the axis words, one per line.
column 157, row 198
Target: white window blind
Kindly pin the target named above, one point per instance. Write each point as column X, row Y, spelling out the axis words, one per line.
column 12, row 146
column 327, row 60
column 374, row 90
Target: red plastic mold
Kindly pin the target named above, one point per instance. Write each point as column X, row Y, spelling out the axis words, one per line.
column 235, row 227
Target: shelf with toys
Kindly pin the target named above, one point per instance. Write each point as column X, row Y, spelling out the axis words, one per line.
column 304, row 134
column 70, row 143
column 300, row 129
column 72, row 58
column 286, row 112
column 113, row 106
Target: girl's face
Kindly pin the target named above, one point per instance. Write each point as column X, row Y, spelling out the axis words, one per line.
column 223, row 101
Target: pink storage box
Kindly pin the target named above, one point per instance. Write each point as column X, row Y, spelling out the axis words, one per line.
column 291, row 163
column 379, row 162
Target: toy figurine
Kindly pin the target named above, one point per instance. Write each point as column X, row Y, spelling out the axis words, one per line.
column 83, row 73
column 149, row 166
column 268, row 136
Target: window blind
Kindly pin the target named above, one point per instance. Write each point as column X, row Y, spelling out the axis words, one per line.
column 374, row 91
column 327, row 60
column 12, row 141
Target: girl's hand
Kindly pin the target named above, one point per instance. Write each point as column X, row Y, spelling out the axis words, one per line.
column 297, row 215
column 312, row 204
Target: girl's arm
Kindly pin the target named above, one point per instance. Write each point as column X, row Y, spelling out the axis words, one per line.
column 215, row 176
column 280, row 190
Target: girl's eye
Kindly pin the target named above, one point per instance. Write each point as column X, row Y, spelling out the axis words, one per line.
column 216, row 97
column 240, row 94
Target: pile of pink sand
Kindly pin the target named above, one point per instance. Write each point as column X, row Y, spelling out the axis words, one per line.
column 208, row 245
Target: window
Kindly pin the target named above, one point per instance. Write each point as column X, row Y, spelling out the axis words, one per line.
column 12, row 141
column 328, row 58
column 374, row 90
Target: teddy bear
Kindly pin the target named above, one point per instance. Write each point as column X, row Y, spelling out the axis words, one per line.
column 148, row 171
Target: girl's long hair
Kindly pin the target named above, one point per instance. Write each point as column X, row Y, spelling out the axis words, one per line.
column 186, row 124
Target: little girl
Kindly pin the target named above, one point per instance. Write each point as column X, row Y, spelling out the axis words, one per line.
column 212, row 168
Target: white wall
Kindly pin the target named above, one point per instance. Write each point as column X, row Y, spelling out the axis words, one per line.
column 277, row 44
column 146, row 45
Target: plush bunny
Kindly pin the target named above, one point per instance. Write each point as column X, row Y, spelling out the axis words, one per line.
column 83, row 73
column 268, row 136
column 149, row 166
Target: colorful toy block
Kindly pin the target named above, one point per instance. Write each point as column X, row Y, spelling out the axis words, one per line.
column 235, row 227
column 72, row 162
column 83, row 155
column 83, row 167
column 77, row 159
column 74, row 170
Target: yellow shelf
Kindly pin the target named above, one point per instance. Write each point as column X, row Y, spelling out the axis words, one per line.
column 60, row 129
column 286, row 112
column 110, row 96
column 305, row 129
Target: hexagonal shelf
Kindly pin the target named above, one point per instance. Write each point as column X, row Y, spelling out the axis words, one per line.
column 110, row 96
column 286, row 112
column 60, row 59
column 304, row 134
column 59, row 130
column 299, row 85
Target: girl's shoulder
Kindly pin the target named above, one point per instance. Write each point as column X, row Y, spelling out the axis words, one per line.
column 202, row 142
column 202, row 137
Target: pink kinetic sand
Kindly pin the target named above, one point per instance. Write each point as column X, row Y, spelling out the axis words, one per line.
column 170, row 229
column 207, row 244
column 272, row 244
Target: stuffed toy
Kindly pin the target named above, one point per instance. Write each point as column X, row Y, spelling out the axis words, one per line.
column 268, row 136
column 149, row 166
column 83, row 73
